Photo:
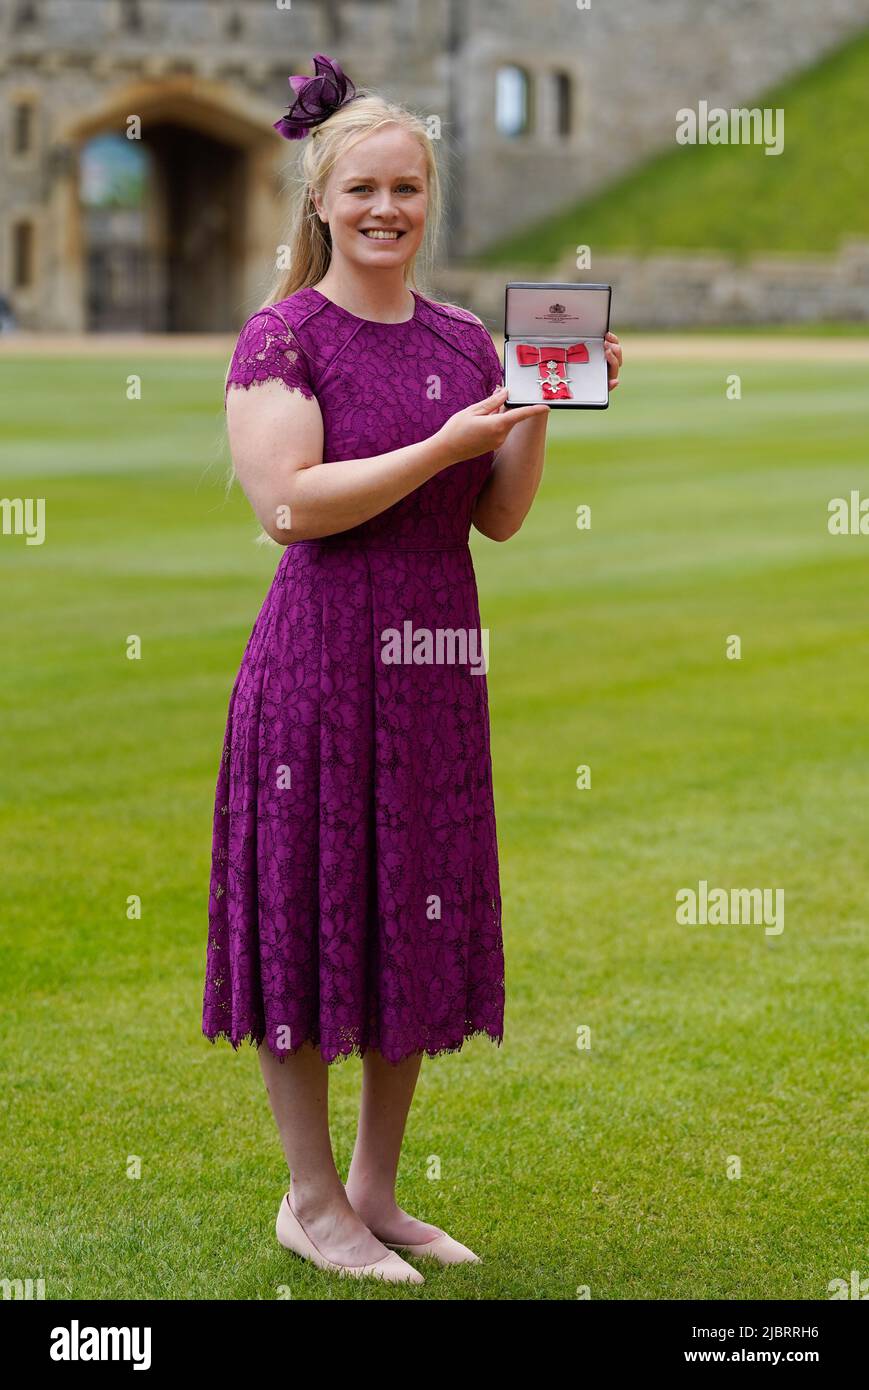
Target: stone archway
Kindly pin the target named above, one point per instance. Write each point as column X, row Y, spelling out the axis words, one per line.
column 195, row 257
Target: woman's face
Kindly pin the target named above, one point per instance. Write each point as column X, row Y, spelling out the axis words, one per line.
column 375, row 199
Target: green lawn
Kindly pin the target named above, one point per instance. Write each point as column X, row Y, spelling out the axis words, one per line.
column 563, row 1168
column 735, row 198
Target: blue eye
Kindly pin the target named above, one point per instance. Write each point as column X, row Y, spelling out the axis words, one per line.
column 365, row 187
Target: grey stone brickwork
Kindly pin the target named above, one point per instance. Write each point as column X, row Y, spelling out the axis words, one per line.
column 687, row 290
column 629, row 65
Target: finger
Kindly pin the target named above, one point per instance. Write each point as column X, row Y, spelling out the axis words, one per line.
column 613, row 383
column 524, row 412
column 493, row 402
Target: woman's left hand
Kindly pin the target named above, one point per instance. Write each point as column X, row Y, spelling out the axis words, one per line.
column 613, row 354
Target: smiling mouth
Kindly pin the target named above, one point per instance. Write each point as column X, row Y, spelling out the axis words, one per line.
column 380, row 234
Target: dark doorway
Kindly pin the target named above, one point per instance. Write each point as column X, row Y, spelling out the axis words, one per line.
column 164, row 231
column 199, row 188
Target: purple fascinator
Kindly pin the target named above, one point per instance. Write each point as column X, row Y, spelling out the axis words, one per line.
column 315, row 98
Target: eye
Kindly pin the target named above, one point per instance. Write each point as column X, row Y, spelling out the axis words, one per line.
column 366, row 187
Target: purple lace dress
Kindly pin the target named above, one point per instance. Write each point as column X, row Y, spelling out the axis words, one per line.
column 355, row 898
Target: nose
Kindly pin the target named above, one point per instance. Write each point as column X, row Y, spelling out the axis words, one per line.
column 383, row 205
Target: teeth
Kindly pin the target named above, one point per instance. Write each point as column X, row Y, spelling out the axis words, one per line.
column 381, row 236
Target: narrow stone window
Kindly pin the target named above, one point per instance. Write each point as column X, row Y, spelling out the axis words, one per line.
column 512, row 101
column 22, row 255
column 25, row 14
column 563, row 103
column 22, row 127
column 131, row 16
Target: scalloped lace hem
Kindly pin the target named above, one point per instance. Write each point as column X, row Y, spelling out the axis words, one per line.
column 353, row 1048
column 267, row 380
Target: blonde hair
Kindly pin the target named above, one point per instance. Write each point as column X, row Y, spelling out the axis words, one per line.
column 308, row 239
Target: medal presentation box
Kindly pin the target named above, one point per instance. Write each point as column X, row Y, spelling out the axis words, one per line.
column 554, row 344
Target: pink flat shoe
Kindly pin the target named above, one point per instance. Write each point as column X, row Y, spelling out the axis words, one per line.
column 293, row 1236
column 442, row 1248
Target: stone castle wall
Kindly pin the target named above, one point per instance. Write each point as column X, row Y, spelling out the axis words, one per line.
column 630, row 66
column 682, row 289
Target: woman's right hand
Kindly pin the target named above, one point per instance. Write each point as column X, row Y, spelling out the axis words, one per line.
column 482, row 427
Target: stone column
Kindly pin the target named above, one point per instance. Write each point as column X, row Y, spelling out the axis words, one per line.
column 63, row 308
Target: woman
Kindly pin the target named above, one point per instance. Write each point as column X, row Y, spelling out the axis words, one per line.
column 355, row 903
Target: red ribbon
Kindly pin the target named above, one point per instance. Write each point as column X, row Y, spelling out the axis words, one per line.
column 528, row 356
column 553, row 378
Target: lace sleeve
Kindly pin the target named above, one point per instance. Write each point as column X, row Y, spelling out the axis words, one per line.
column 268, row 350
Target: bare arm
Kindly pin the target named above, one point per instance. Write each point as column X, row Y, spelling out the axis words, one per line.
column 276, row 439
column 505, row 498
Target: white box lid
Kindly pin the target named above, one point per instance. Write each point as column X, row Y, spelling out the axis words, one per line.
column 538, row 310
